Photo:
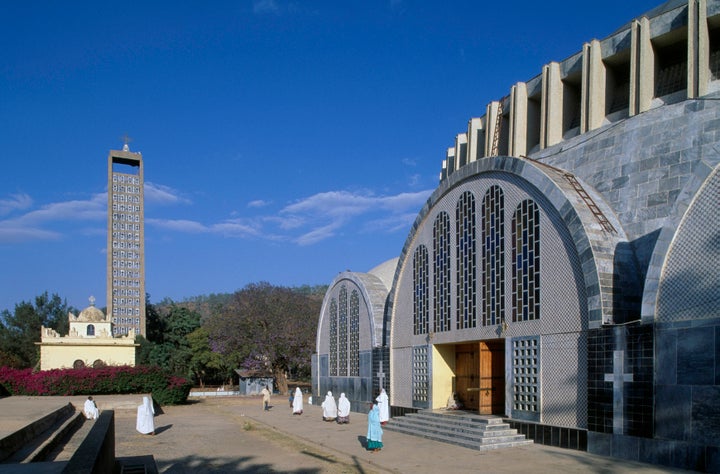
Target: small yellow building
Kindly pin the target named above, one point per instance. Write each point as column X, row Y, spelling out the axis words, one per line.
column 89, row 343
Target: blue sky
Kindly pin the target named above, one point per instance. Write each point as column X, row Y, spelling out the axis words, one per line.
column 283, row 141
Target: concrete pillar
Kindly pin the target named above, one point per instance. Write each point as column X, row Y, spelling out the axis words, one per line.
column 491, row 122
column 461, row 150
column 551, row 124
column 475, row 139
column 642, row 67
column 517, row 145
column 698, row 69
column 450, row 159
column 593, row 92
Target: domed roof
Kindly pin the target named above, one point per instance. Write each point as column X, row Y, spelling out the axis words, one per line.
column 91, row 315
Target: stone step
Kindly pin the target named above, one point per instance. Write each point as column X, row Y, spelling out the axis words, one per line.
column 461, row 421
column 63, row 451
column 462, row 429
column 42, row 438
column 481, row 444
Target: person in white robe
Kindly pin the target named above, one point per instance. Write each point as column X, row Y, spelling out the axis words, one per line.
column 329, row 408
column 90, row 409
column 297, row 404
column 343, row 409
column 145, row 413
column 383, row 406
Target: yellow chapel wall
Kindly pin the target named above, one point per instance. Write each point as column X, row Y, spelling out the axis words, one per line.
column 443, row 372
column 59, row 356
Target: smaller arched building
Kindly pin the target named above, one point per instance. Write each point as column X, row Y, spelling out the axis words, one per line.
column 351, row 351
column 90, row 342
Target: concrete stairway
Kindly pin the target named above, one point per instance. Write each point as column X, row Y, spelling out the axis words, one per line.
column 460, row 428
column 36, row 441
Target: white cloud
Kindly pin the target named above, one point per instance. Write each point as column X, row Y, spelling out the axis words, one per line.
column 259, row 203
column 265, row 6
column 10, row 234
column 15, row 202
column 161, row 194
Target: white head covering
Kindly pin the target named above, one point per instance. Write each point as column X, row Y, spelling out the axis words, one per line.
column 343, row 406
column 145, row 412
column 297, row 401
column 329, row 406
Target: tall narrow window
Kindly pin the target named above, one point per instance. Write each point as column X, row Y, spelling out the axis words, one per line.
column 420, row 291
column 441, row 271
column 466, row 272
column 493, row 256
column 354, row 349
column 526, row 262
column 343, row 332
column 333, row 337
column 90, row 330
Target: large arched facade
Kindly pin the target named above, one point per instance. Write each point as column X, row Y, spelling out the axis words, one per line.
column 351, row 354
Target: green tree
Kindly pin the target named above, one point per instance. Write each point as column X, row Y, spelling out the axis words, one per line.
column 171, row 349
column 20, row 330
column 268, row 328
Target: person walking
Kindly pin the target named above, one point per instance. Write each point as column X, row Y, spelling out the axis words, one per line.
column 266, row 398
column 383, row 406
column 145, row 413
column 297, row 403
column 329, row 408
column 374, row 432
column 343, row 409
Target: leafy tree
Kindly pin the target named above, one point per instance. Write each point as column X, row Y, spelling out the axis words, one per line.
column 268, row 328
column 171, row 349
column 20, row 330
column 206, row 365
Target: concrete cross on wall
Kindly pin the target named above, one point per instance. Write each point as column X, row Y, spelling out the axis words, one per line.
column 618, row 377
column 381, row 378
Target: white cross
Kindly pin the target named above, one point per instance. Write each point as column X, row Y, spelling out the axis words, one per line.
column 618, row 377
column 92, row 300
column 381, row 378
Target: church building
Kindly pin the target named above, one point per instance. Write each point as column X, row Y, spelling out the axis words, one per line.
column 565, row 274
column 89, row 343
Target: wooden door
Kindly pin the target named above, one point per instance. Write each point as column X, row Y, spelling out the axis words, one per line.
column 492, row 377
column 467, row 380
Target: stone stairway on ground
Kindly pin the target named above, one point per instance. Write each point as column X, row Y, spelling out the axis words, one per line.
column 480, row 432
column 41, row 440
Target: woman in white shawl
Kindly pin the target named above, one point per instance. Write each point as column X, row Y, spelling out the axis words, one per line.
column 343, row 409
column 297, row 404
column 145, row 412
column 90, row 409
column 329, row 408
column 383, row 406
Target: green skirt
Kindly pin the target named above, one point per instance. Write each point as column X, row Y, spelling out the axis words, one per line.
column 374, row 444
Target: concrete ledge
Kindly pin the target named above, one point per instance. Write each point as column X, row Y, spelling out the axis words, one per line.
column 19, row 438
column 96, row 454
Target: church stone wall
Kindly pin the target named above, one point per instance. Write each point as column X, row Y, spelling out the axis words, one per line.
column 563, row 306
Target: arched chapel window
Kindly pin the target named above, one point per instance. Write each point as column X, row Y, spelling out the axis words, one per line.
column 343, row 332
column 420, row 291
column 441, row 271
column 465, row 235
column 354, row 349
column 90, row 330
column 526, row 262
column 493, row 256
column 333, row 337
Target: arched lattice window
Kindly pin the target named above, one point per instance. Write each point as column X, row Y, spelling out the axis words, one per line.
column 493, row 256
column 526, row 262
column 466, row 262
column 343, row 332
column 421, row 291
column 354, row 336
column 333, row 337
column 90, row 330
column 441, row 271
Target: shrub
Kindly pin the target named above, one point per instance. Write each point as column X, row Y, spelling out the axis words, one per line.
column 165, row 388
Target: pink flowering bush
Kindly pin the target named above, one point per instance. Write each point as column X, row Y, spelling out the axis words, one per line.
column 166, row 389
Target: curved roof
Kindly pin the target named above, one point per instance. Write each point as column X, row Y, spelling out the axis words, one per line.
column 385, row 271
column 91, row 315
